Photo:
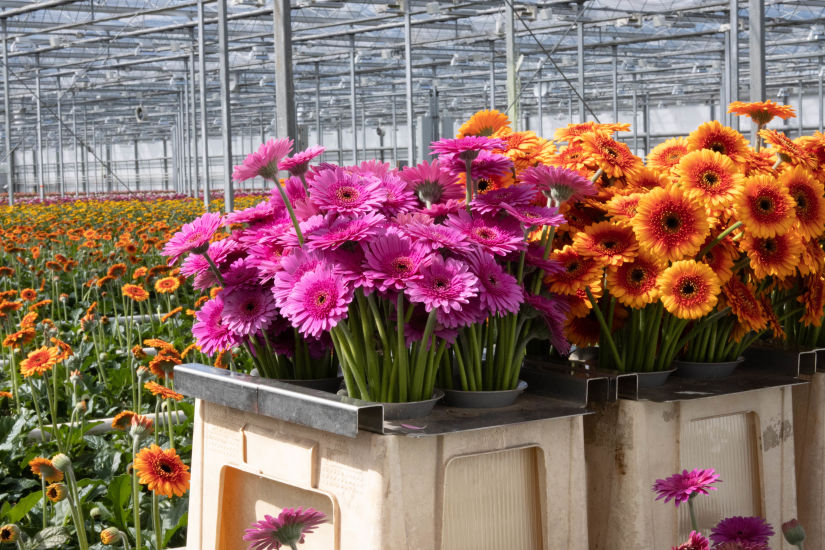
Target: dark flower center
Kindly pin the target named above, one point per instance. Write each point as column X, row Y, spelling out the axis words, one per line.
column 165, row 468
column 322, row 298
column 572, row 267
column 688, row 288
column 770, row 245
column 440, row 284
column 801, row 201
column 710, row 179
column 671, row 222
column 718, row 146
column 637, row 275
column 765, row 204
column 402, row 265
column 485, row 233
column 347, row 194
column 609, row 245
column 484, row 185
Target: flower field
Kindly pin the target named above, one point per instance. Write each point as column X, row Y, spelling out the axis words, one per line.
column 83, row 292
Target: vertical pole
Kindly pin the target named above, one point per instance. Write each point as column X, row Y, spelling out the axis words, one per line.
column 820, row 104
column 61, row 185
column 353, row 121
column 41, row 190
column 512, row 54
column 363, row 131
column 646, row 122
column 76, row 158
column 541, row 105
column 284, row 85
column 319, row 132
column 409, row 82
column 165, row 165
column 204, row 121
column 226, row 116
column 580, row 59
column 799, row 114
column 733, row 64
column 756, row 17
column 635, row 123
column 395, row 127
column 724, row 73
column 615, row 84
column 7, row 115
column 339, row 136
column 184, row 103
column 137, row 165
column 108, row 156
column 193, row 123
column 570, row 107
column 85, row 157
column 492, row 74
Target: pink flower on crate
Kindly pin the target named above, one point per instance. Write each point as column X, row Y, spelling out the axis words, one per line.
column 372, row 167
column 553, row 311
column 392, row 260
column 225, row 250
column 318, row 301
column 499, row 292
column 437, row 237
column 445, row 285
column 295, row 192
column 298, row 164
column 466, row 148
column 680, row 487
column 486, row 166
column 288, row 529
column 255, row 214
column 535, row 216
column 346, row 193
column 248, row 309
column 741, row 546
column 696, row 541
column 264, row 161
column 293, row 267
column 493, row 201
column 558, row 184
column 345, row 229
column 193, row 237
column 443, row 209
column 752, row 530
column 497, row 235
column 431, row 183
column 470, row 313
column 210, row 332
column 397, row 199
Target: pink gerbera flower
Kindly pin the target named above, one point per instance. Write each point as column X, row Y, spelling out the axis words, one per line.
column 746, row 530
column 220, row 252
column 397, row 198
column 318, row 301
column 288, row 529
column 696, row 541
column 264, row 161
column 393, row 259
column 499, row 292
column 470, row 313
column 346, row 193
column 437, row 237
column 193, row 237
column 497, row 235
column 209, row 329
column 554, row 311
column 294, row 189
column 486, row 166
column 445, row 285
column 293, row 267
column 558, row 184
column 466, row 148
column 443, row 209
column 681, row 487
column 493, row 201
column 535, row 216
column 372, row 167
column 432, row 184
column 253, row 215
column 298, row 164
column 344, row 230
column 248, row 309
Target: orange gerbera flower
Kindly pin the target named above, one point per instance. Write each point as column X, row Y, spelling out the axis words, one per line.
column 139, row 272
column 169, row 315
column 578, row 271
column 580, row 302
column 813, row 299
column 670, row 225
column 613, row 157
column 167, row 285
column 135, row 292
column 787, row 150
column 721, row 257
column 761, row 112
column 20, row 338
column 666, row 155
column 741, row 299
column 163, row 391
column 123, row 420
column 708, row 176
column 572, row 131
column 611, row 242
column 773, row 255
column 28, row 294
column 159, row 344
column 812, row 259
column 622, row 208
column 115, row 271
column 572, row 156
column 65, row 350
column 484, row 123
column 634, row 283
column 39, row 362
column 44, row 468
column 807, row 193
column 584, row 331
column 765, row 207
column 163, row 364
column 815, row 146
column 162, row 471
column 645, row 178
column 689, row 289
column 722, row 139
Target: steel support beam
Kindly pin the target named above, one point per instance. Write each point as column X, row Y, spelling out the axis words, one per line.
column 319, row 132
column 7, row 114
column 41, row 190
column 203, row 113
column 492, row 74
column 409, row 83
column 512, row 78
column 756, row 17
column 615, row 75
column 76, row 151
column 352, row 107
column 284, row 82
column 394, row 115
column 580, row 60
column 137, row 164
column 226, row 115
column 61, row 184
column 821, row 107
column 193, row 123
column 733, row 63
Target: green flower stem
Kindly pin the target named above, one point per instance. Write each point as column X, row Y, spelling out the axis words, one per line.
column 37, row 412
column 719, row 238
column 156, row 523
column 461, row 371
column 468, row 183
column 15, row 380
column 401, row 356
column 597, row 175
column 424, row 350
column 45, row 502
column 289, row 209
column 77, row 507
column 53, row 411
column 605, row 331
column 215, row 270
column 136, row 495
column 693, row 523
column 125, row 541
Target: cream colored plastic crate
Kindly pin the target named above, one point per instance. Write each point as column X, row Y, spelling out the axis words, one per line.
column 747, row 437
column 809, row 438
column 520, row 486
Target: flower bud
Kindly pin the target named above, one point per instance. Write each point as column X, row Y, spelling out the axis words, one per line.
column 110, row 535
column 56, row 492
column 141, row 426
column 9, row 533
column 94, row 513
column 793, row 532
column 62, row 462
column 75, row 376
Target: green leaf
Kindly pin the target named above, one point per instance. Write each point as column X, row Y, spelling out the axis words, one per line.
column 24, row 506
column 51, row 537
column 119, row 493
column 11, row 437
